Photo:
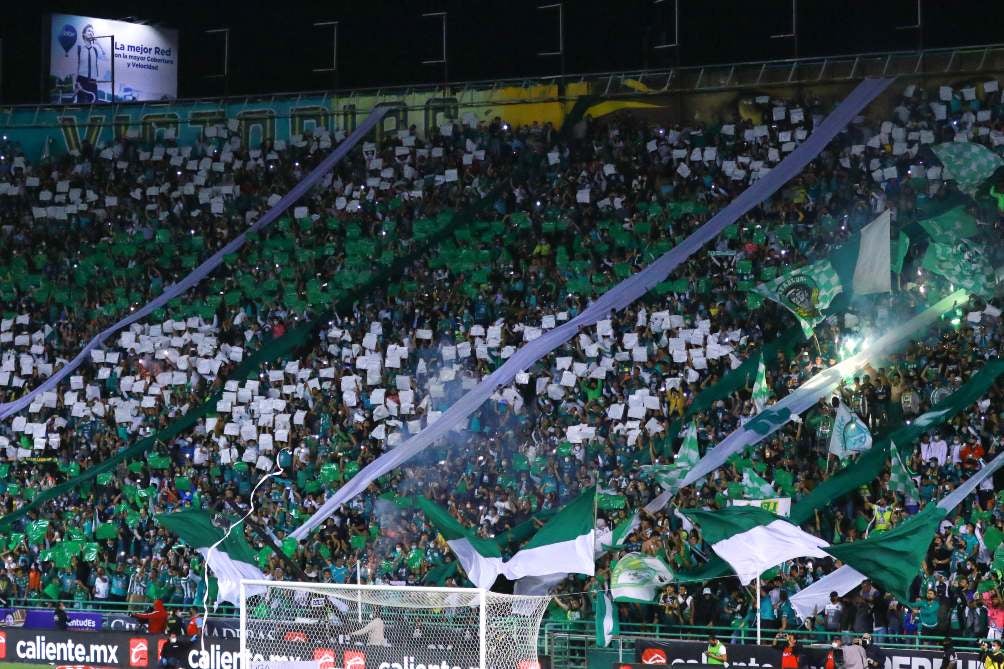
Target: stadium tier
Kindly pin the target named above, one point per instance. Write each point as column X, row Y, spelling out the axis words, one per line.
column 797, row 428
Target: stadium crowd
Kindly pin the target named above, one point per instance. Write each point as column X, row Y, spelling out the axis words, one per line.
column 508, row 232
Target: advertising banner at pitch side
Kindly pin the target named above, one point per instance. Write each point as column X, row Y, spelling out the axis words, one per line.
column 81, row 49
column 96, row 650
column 652, row 651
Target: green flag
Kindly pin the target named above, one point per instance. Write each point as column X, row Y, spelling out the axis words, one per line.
column 901, row 478
column 106, row 531
column 607, row 622
column 850, row 434
column 228, row 554
column 805, row 292
column 892, row 559
column 565, row 544
column 899, row 251
column 970, row 164
column 670, row 476
column 481, row 558
column 639, row 578
column 950, row 226
column 963, row 263
column 755, row 487
column 36, row 530
column 621, row 532
column 753, row 540
column 761, row 391
column 689, row 453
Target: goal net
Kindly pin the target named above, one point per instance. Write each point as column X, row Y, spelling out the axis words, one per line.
column 330, row 626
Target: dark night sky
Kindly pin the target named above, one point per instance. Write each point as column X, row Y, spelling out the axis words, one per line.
column 274, row 46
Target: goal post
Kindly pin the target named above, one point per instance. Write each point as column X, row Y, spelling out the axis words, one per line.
column 300, row 625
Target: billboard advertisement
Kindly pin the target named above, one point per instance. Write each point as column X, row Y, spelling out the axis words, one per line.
column 81, row 49
column 652, row 651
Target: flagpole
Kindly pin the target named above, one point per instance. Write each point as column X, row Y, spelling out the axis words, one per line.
column 756, row 603
column 359, row 592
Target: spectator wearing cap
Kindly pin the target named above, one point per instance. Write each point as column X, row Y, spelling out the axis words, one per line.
column 707, row 608
column 833, row 614
column 854, row 655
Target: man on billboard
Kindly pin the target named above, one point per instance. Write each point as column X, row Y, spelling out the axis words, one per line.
column 88, row 55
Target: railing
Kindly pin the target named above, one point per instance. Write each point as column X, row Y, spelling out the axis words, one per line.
column 567, row 643
column 110, row 606
column 958, row 61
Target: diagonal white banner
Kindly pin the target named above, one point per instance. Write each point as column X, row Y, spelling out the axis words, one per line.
column 777, row 415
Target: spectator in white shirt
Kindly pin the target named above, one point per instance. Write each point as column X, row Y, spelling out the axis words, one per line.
column 956, row 450
column 939, row 450
column 101, row 586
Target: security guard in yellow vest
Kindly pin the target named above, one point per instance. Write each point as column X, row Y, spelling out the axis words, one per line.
column 882, row 515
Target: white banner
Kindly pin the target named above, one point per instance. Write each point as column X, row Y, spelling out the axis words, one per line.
column 80, row 61
column 780, row 506
column 805, row 396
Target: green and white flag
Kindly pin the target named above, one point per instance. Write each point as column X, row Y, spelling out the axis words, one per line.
column 669, row 476
column 901, row 478
column 970, row 164
column 620, row 533
column 850, row 434
column 566, row 544
column 753, row 540
column 481, row 558
column 963, row 263
column 639, row 578
column 950, row 226
column 873, row 268
column 755, row 487
column 689, row 453
column 899, row 251
column 607, row 621
column 805, row 292
column 231, row 561
column 761, row 391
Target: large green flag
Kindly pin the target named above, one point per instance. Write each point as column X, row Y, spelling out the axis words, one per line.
column 565, row 544
column 480, row 558
column 970, row 164
column 227, row 554
column 963, row 263
column 892, row 559
column 753, row 540
column 805, row 292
